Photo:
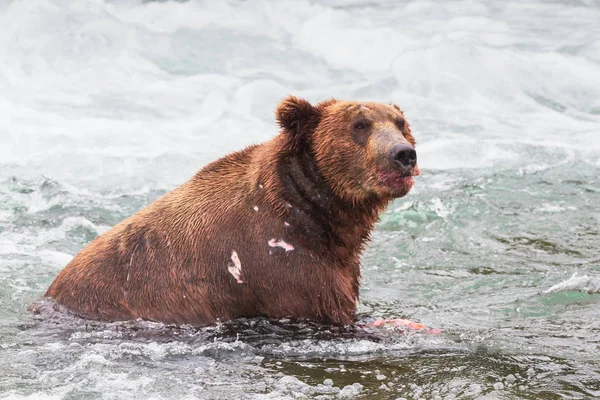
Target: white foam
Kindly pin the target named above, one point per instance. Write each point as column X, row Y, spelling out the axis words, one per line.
column 137, row 94
column 115, row 98
column 578, row 283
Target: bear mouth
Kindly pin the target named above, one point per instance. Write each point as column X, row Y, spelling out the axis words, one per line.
column 399, row 181
column 396, row 180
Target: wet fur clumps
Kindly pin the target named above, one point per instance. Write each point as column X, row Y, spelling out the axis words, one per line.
column 275, row 230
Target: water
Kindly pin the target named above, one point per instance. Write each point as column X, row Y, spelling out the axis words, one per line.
column 106, row 105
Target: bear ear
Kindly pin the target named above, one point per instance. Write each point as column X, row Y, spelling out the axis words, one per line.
column 396, row 107
column 297, row 116
column 326, row 103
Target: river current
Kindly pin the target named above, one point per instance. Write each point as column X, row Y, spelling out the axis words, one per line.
column 106, row 105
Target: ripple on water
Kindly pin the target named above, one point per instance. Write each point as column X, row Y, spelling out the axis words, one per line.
column 107, row 105
column 268, row 359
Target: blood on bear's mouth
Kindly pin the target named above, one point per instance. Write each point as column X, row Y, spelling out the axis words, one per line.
column 400, row 182
column 396, row 180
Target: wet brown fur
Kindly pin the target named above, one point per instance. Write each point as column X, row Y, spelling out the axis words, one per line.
column 169, row 262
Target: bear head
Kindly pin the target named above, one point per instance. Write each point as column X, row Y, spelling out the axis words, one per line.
column 362, row 149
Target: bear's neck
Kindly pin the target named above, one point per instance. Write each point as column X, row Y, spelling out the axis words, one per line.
column 316, row 215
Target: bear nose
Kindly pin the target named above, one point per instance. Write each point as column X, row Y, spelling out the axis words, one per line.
column 404, row 155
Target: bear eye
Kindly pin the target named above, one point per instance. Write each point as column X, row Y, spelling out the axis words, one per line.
column 400, row 123
column 360, row 131
column 360, row 126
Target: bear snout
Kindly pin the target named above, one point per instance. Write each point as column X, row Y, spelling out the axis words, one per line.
column 404, row 155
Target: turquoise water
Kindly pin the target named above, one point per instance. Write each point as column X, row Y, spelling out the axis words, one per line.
column 108, row 105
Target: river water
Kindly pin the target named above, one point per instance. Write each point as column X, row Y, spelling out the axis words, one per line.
column 106, row 105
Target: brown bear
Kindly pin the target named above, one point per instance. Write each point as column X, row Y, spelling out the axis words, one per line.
column 274, row 230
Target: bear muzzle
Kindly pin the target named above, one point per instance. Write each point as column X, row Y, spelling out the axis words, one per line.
column 398, row 170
